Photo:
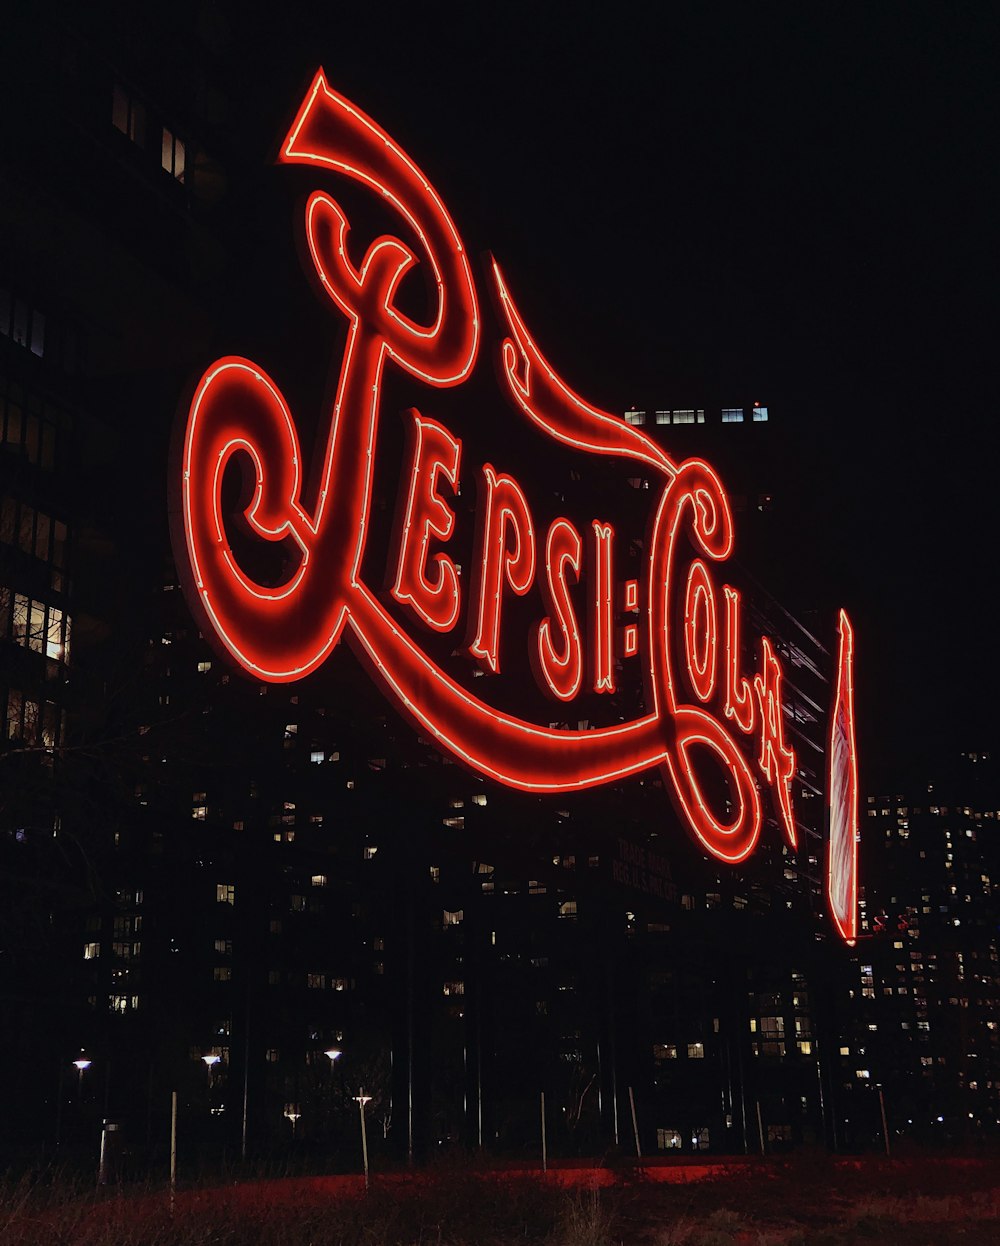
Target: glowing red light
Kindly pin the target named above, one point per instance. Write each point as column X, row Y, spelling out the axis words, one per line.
column 842, row 795
column 507, row 558
column 560, row 664
column 433, row 454
column 688, row 644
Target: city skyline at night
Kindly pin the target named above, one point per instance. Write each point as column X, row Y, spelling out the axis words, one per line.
column 736, row 296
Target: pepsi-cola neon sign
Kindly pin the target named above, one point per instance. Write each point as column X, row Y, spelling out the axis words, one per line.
column 707, row 715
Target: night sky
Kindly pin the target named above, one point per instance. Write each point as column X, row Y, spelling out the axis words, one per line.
column 791, row 202
column 798, row 202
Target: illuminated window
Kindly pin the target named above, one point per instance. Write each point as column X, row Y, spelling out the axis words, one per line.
column 318, row 880
column 759, row 414
column 479, row 799
column 684, row 417
column 204, row 667
column 33, row 625
column 663, row 417
column 316, row 756
column 221, row 973
column 370, row 851
column 635, row 417
column 567, row 908
column 224, row 947
column 453, row 988
column 128, row 115
column 452, row 917
column 732, row 415
column 172, row 155
column 316, row 981
column 696, row 1051
column 699, row 1138
column 225, row 893
column 669, row 1140
column 37, row 631
column 91, row 951
column 664, row 1051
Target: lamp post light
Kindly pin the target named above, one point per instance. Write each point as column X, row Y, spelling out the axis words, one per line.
column 293, row 1114
column 361, row 1100
column 81, row 1064
column 334, row 1054
column 210, row 1062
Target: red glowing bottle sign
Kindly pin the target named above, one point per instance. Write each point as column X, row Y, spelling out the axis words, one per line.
column 842, row 865
column 708, row 714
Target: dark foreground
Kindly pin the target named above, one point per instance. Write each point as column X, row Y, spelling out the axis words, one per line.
column 817, row 1202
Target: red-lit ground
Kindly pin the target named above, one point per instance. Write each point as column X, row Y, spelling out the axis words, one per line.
column 805, row 1202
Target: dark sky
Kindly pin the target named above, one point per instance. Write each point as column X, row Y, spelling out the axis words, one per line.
column 798, row 201
column 794, row 201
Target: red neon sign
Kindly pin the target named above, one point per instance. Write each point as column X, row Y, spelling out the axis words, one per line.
column 842, row 863
column 707, row 716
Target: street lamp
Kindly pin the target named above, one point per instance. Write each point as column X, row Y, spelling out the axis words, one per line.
column 362, row 1099
column 81, row 1064
column 210, row 1062
column 292, row 1113
column 334, row 1054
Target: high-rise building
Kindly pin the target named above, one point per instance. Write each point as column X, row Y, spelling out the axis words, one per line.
column 922, row 1020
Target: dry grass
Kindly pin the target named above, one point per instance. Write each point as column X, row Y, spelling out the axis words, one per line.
column 803, row 1203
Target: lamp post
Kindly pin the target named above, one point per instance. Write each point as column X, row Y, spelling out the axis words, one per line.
column 362, row 1099
column 81, row 1064
column 210, row 1062
column 292, row 1113
column 334, row 1054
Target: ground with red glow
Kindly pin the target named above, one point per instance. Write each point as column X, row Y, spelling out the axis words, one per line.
column 920, row 1202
